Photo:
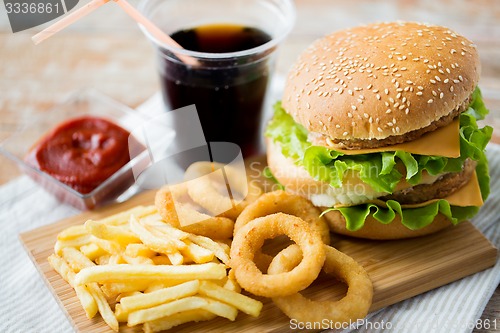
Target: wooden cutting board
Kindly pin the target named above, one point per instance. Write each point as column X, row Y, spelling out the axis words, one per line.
column 399, row 270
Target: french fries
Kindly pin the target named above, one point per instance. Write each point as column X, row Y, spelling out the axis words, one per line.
column 239, row 301
column 135, row 268
column 160, row 296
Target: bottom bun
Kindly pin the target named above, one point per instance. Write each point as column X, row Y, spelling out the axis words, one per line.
column 373, row 229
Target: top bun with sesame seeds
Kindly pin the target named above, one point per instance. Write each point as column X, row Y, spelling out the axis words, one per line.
column 381, row 84
column 378, row 128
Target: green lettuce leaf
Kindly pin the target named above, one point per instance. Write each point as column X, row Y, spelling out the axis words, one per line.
column 378, row 170
column 291, row 135
column 416, row 218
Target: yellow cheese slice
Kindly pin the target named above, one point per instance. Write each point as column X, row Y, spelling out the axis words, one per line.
column 467, row 195
column 444, row 141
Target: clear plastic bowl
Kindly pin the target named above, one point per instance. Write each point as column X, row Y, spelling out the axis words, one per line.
column 35, row 125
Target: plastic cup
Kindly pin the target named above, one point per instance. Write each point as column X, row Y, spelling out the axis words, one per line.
column 228, row 89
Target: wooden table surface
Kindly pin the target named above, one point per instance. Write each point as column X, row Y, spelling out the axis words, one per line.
column 106, row 51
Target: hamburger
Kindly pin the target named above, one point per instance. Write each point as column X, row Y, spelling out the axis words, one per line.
column 378, row 128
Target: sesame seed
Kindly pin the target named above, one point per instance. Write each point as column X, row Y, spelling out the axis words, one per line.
column 379, row 129
column 446, row 80
column 349, row 115
column 434, row 93
column 378, row 97
column 370, row 120
column 452, row 51
column 437, row 78
column 451, row 88
column 337, row 126
column 433, row 81
column 420, row 88
column 461, row 78
column 390, row 124
column 398, row 95
column 441, row 95
column 430, row 101
column 353, row 107
column 407, row 111
column 366, row 115
column 391, row 100
column 308, row 105
column 386, row 91
column 456, row 81
column 401, row 107
column 397, row 128
column 345, row 134
column 388, row 111
column 419, row 93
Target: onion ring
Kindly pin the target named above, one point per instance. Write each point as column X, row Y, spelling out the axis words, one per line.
column 251, row 237
column 208, row 226
column 207, row 185
column 281, row 201
column 354, row 305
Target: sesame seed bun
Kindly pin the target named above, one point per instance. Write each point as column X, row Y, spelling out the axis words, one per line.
column 381, row 84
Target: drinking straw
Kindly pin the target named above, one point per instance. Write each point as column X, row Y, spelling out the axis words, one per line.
column 129, row 9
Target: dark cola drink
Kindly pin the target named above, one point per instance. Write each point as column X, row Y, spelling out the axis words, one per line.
column 228, row 85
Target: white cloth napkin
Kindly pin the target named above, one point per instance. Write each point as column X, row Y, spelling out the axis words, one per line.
column 27, row 305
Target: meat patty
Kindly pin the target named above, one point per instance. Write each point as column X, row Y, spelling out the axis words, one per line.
column 441, row 188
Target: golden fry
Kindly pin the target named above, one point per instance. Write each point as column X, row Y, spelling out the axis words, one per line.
column 76, row 260
column 220, row 309
column 76, row 242
column 92, row 251
column 196, row 253
column 160, row 311
column 114, row 289
column 137, row 260
column 139, row 250
column 86, row 300
column 217, row 248
column 177, row 319
column 72, row 232
column 159, row 244
column 142, row 301
column 104, row 308
column 127, row 272
column 175, row 258
column 246, row 304
column 110, row 232
column 123, row 217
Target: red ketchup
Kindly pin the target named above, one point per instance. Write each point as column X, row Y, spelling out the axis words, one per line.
column 81, row 152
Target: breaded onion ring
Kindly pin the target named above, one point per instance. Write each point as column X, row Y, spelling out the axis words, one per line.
column 281, row 201
column 354, row 305
column 251, row 237
column 207, row 186
column 212, row 227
